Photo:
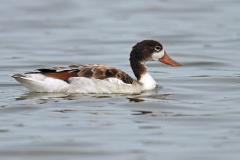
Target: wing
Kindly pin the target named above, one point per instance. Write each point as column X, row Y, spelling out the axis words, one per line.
column 94, row 71
column 104, row 72
column 63, row 73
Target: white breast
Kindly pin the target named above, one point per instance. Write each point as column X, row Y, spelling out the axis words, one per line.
column 148, row 82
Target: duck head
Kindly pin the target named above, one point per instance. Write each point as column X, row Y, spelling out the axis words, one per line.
column 151, row 50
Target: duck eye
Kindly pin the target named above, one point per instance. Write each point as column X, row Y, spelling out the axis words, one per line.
column 157, row 48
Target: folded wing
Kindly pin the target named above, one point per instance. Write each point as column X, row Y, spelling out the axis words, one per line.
column 92, row 71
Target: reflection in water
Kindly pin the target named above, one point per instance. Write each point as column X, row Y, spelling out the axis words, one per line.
column 65, row 96
column 135, row 99
column 153, row 97
column 64, row 110
column 146, row 96
column 141, row 112
column 34, row 95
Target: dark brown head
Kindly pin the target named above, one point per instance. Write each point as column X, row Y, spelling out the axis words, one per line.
column 148, row 50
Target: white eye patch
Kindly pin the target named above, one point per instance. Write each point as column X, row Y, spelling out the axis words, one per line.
column 157, row 55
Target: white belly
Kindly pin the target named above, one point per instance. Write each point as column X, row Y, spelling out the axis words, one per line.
column 110, row 85
column 41, row 83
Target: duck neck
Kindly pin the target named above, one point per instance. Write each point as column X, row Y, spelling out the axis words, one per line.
column 138, row 67
column 140, row 71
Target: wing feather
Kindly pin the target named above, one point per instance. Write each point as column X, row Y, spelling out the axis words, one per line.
column 94, row 71
column 104, row 72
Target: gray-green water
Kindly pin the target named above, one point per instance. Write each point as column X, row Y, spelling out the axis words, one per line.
column 193, row 115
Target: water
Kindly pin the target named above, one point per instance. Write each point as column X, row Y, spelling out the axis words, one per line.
column 193, row 115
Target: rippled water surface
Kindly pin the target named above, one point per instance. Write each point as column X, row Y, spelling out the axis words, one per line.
column 194, row 114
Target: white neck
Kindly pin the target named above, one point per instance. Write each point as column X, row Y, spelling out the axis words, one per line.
column 147, row 81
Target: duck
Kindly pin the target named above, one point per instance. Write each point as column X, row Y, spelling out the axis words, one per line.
column 99, row 78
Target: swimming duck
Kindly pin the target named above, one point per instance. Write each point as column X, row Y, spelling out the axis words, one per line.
column 96, row 78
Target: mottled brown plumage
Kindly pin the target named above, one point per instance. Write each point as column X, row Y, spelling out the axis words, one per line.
column 90, row 71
